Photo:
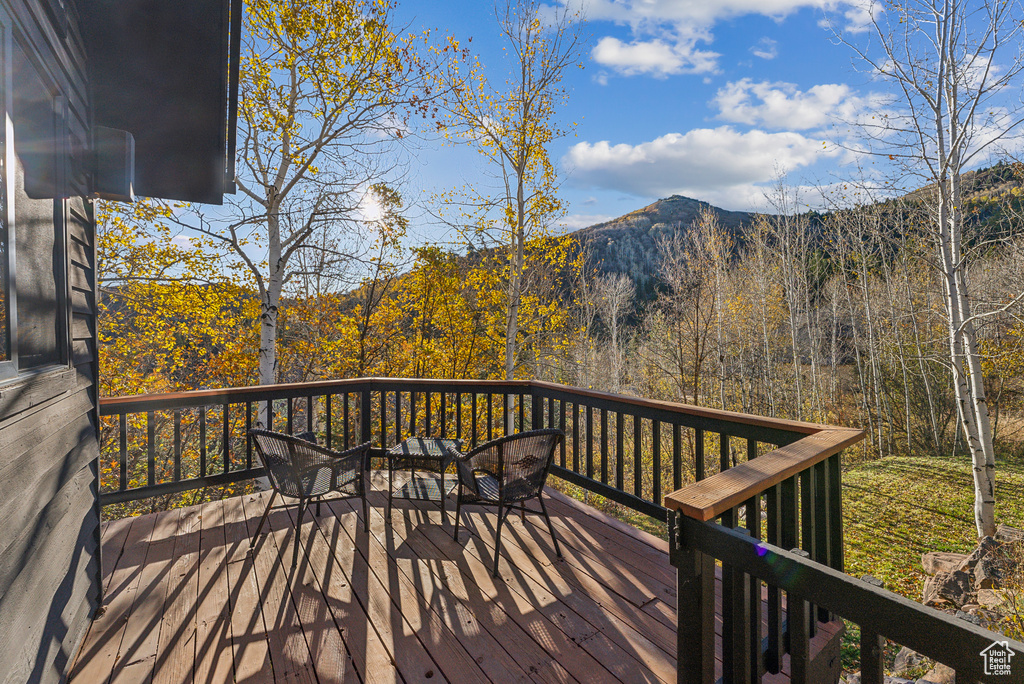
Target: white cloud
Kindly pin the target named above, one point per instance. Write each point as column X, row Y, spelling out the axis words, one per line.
column 713, row 164
column 655, row 57
column 665, row 33
column 766, row 48
column 784, row 106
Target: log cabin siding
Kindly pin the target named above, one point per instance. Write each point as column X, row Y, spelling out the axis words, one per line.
column 49, row 513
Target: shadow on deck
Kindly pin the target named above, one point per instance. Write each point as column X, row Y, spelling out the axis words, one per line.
column 186, row 601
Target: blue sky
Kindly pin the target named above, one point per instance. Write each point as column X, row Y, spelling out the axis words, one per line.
column 700, row 98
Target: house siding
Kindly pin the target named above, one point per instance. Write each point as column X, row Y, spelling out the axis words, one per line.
column 49, row 512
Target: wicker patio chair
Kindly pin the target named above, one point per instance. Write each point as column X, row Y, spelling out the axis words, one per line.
column 299, row 468
column 506, row 473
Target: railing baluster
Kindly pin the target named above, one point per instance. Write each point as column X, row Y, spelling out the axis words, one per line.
column 698, row 454
column 150, row 448
column 576, row 437
column 799, row 622
column 428, row 414
column 490, row 416
column 122, row 420
column 177, row 445
column 444, row 414
column 536, row 412
column 383, row 419
column 677, row 456
column 620, row 455
column 753, row 511
column 604, row 446
column 413, row 427
column 872, row 660
column 310, row 423
column 723, row 452
column 202, row 441
column 474, row 419
column 741, row 614
column 398, row 416
column 291, row 416
column 365, row 416
column 227, row 434
column 822, row 534
column 248, row 439
column 835, row 512
column 561, row 424
column 458, row 415
column 589, row 422
column 344, row 418
column 638, row 456
column 505, row 416
column 872, row 648
column 522, row 418
column 329, row 420
column 656, row 475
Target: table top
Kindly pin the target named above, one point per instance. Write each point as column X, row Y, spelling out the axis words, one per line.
column 424, row 446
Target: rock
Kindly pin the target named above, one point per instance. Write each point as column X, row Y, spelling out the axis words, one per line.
column 941, row 561
column 970, row 614
column 1005, row 533
column 853, row 678
column 947, row 587
column 941, row 674
column 990, row 598
column 906, row 659
column 989, row 571
column 986, row 546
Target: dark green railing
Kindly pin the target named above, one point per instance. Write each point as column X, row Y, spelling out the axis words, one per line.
column 775, row 528
column 629, row 449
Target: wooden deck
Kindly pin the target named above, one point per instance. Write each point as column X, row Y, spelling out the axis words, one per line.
column 186, row 601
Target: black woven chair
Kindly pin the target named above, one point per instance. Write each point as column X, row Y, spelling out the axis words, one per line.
column 506, row 473
column 301, row 469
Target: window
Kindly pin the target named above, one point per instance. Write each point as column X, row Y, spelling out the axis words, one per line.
column 32, row 270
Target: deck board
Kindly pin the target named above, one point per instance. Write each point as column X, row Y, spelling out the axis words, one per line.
column 188, row 601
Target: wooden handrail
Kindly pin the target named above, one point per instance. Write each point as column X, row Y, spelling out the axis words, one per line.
column 689, row 409
column 710, row 498
column 113, row 405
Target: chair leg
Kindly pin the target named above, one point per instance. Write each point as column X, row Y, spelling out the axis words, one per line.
column 551, row 529
column 497, row 539
column 252, row 542
column 458, row 512
column 318, row 508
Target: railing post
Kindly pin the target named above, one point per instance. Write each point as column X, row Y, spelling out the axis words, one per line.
column 872, row 648
column 695, row 608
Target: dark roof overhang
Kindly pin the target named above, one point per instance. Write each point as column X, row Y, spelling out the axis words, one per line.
column 166, row 71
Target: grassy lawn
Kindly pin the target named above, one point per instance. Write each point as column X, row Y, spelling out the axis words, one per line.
column 897, row 508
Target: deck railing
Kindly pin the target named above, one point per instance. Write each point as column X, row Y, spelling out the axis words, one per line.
column 782, row 578
column 628, row 449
